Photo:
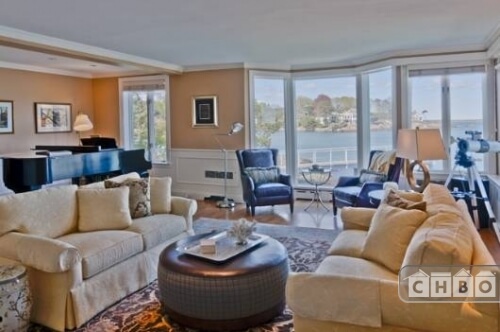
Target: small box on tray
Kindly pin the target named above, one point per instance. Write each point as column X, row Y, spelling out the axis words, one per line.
column 208, row 246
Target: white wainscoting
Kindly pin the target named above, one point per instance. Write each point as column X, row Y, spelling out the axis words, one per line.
column 187, row 169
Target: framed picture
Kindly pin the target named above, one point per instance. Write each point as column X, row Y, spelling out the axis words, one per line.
column 6, row 117
column 205, row 111
column 52, row 118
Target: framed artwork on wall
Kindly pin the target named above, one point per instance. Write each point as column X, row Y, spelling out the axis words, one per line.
column 6, row 117
column 52, row 118
column 204, row 111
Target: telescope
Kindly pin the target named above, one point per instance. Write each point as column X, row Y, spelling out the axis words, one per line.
column 473, row 144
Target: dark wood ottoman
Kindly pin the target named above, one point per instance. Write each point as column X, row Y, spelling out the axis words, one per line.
column 245, row 291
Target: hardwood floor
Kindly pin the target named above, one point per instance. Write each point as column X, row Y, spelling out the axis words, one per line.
column 314, row 217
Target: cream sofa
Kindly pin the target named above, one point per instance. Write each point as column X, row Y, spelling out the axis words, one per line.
column 74, row 275
column 350, row 292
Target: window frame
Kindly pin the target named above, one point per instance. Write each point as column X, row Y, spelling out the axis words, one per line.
column 125, row 116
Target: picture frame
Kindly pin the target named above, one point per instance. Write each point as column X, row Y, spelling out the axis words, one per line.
column 6, row 117
column 205, row 111
column 52, row 118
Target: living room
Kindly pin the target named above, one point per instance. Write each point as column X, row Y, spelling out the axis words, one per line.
column 241, row 58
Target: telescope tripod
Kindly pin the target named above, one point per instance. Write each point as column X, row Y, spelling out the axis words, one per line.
column 473, row 179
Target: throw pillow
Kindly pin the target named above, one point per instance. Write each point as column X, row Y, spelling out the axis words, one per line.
column 390, row 233
column 262, row 175
column 161, row 196
column 371, row 176
column 394, row 199
column 101, row 209
column 139, row 197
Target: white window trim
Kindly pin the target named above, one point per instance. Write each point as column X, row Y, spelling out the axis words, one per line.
column 125, row 118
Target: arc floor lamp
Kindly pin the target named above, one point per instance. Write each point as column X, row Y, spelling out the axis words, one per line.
column 236, row 127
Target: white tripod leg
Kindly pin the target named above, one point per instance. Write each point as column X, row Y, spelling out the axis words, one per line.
column 473, row 199
column 484, row 194
column 450, row 176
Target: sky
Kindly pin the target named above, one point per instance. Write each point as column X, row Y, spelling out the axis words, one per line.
column 465, row 92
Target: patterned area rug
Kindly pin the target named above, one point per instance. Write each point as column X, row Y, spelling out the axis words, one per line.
column 141, row 311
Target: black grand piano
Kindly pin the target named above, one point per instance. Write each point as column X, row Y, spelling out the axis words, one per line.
column 53, row 163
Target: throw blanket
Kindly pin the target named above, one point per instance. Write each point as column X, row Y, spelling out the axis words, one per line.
column 381, row 161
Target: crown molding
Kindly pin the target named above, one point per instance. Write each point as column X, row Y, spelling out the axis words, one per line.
column 221, row 66
column 45, row 70
column 22, row 37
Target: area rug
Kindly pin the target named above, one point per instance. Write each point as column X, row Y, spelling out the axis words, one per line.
column 141, row 311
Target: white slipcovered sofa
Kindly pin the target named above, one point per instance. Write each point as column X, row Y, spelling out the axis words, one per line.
column 355, row 288
column 75, row 274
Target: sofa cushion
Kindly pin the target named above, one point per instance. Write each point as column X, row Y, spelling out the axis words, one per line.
column 443, row 239
column 357, row 217
column 354, row 267
column 103, row 249
column 158, row 228
column 348, row 243
column 438, row 194
column 50, row 212
column 160, row 194
column 101, row 209
column 389, row 235
column 139, row 196
column 119, row 178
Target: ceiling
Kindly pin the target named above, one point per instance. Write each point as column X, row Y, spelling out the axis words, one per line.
column 96, row 37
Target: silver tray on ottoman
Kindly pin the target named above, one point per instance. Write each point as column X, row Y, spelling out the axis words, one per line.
column 226, row 246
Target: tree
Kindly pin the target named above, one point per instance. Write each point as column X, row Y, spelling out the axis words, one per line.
column 268, row 120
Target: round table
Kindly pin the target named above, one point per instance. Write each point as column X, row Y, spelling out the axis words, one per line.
column 245, row 291
column 316, row 177
column 376, row 196
column 15, row 299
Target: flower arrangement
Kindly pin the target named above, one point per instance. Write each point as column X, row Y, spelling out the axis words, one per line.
column 241, row 230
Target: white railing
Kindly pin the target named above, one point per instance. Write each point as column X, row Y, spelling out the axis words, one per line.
column 326, row 157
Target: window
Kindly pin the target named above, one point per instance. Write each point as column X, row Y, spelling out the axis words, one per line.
column 381, row 110
column 326, row 124
column 451, row 100
column 268, row 111
column 145, row 116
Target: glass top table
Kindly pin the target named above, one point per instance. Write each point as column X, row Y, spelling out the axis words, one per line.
column 316, row 177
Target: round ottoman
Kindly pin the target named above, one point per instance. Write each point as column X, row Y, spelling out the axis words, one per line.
column 245, row 291
column 15, row 300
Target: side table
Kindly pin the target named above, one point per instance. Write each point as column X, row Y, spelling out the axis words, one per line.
column 376, row 196
column 15, row 299
column 316, row 177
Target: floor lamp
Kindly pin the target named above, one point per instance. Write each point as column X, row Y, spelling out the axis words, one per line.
column 235, row 128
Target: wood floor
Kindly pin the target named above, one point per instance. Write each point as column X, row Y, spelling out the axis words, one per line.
column 316, row 217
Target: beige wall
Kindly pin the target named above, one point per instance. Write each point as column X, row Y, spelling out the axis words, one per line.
column 25, row 88
column 106, row 107
column 99, row 99
column 228, row 86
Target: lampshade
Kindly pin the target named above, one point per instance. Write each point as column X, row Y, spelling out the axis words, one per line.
column 82, row 123
column 236, row 127
column 420, row 144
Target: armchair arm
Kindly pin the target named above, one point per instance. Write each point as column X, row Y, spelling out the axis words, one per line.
column 185, row 207
column 357, row 218
column 286, row 179
column 348, row 181
column 329, row 297
column 45, row 254
column 363, row 198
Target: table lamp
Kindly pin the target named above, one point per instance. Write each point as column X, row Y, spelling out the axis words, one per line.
column 82, row 123
column 235, row 128
column 419, row 145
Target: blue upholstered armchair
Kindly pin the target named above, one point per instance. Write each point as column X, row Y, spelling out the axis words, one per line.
column 262, row 182
column 353, row 190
